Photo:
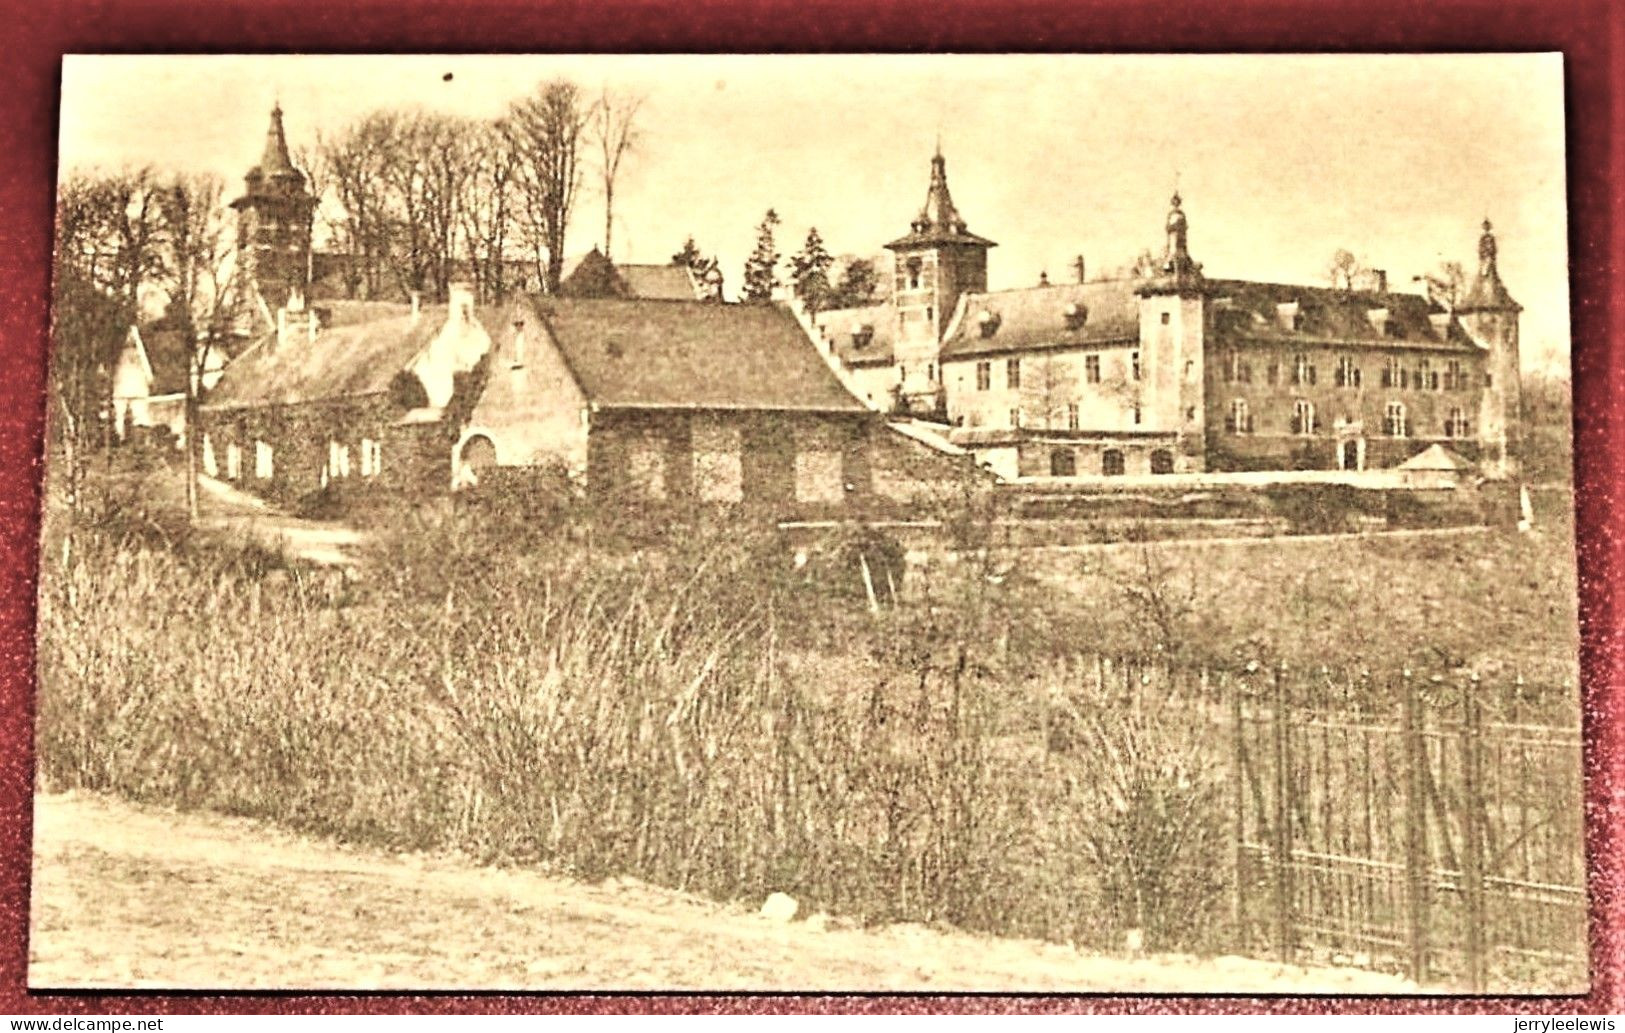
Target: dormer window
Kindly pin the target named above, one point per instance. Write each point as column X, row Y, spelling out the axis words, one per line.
column 1289, row 316
column 1075, row 315
column 988, row 322
column 1378, row 318
column 862, row 334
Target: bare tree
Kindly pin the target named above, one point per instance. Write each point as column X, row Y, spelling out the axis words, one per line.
column 198, row 247
column 1048, row 386
column 357, row 163
column 547, row 130
column 616, row 132
column 1343, row 269
column 488, row 208
column 318, row 178
column 1446, row 286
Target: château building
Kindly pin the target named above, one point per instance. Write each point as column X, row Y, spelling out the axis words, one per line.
column 1176, row 371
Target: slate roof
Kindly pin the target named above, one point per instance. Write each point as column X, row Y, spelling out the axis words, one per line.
column 342, row 362
column 637, row 353
column 1030, row 318
column 593, row 276
column 837, row 326
column 167, row 350
column 338, row 312
column 1247, row 311
column 672, row 282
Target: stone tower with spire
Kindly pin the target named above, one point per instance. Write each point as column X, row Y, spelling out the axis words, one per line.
column 1173, row 326
column 1490, row 317
column 937, row 261
column 273, row 235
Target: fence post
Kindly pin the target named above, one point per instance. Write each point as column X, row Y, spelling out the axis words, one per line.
column 1282, row 848
column 1238, row 781
column 1472, row 852
column 1416, row 844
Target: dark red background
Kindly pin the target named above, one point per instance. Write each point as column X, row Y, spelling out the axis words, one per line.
column 1591, row 33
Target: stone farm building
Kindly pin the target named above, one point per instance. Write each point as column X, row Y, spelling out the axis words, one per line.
column 1176, row 372
column 633, row 381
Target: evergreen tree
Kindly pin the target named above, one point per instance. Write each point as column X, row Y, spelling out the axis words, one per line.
column 691, row 256
column 809, row 273
column 857, row 284
column 761, row 268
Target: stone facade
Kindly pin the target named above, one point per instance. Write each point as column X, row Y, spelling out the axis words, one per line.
column 348, row 445
column 1227, row 374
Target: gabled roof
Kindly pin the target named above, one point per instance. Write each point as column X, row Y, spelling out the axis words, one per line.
column 860, row 336
column 594, row 276
column 341, row 362
column 1436, row 457
column 672, row 282
column 168, row 350
column 1106, row 312
column 1245, row 310
column 636, row 353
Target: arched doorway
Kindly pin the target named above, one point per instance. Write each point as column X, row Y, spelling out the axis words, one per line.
column 476, row 455
column 1111, row 462
column 1063, row 462
column 1162, row 461
column 1352, row 455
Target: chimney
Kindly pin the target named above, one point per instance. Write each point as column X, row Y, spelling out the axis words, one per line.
column 1077, row 263
column 460, row 308
column 1375, row 280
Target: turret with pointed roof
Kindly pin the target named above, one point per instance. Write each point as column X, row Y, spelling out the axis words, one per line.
column 273, row 234
column 1487, row 292
column 1178, row 273
column 939, row 221
column 936, row 262
column 1490, row 317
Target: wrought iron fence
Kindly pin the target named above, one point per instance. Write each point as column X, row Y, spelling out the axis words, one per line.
column 1429, row 825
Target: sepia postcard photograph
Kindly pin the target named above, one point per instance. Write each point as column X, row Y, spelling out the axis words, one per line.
column 1067, row 523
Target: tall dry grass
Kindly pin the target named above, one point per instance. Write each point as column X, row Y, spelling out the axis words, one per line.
column 706, row 715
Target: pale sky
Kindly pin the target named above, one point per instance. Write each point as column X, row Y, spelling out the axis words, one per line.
column 1281, row 160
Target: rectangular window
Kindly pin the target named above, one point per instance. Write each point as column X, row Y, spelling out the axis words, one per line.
column 1348, row 373
column 234, row 461
column 1136, row 414
column 372, row 458
column 984, row 375
column 1393, row 420
column 1303, row 417
column 1134, row 364
column 1012, row 374
column 1091, row 368
column 1072, row 416
column 263, row 461
column 1015, row 417
column 1165, row 318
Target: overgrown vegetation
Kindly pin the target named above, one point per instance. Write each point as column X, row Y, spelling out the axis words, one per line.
column 709, row 708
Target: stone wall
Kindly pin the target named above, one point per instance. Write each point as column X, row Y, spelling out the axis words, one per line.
column 412, row 459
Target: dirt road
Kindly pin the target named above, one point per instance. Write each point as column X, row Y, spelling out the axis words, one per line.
column 128, row 896
column 325, row 543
